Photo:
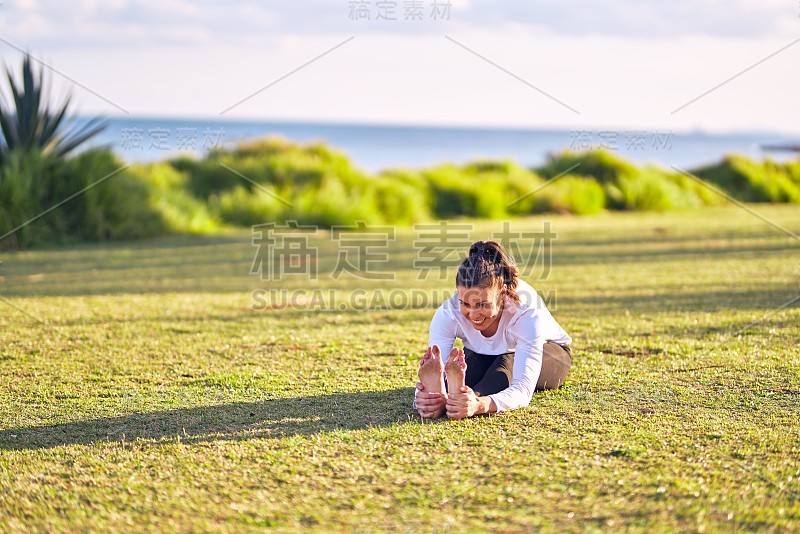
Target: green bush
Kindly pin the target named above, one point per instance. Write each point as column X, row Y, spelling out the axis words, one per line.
column 485, row 189
column 399, row 202
column 644, row 192
column 96, row 200
column 23, row 193
column 755, row 181
column 504, row 188
column 266, row 162
column 453, row 196
column 601, row 165
column 792, row 169
column 611, row 171
column 572, row 194
column 243, row 207
column 653, row 189
column 491, row 197
column 170, row 197
column 522, row 193
column 116, row 208
column 206, row 177
column 417, row 183
column 701, row 195
column 272, row 161
column 273, row 180
column 629, row 187
column 325, row 188
column 333, row 203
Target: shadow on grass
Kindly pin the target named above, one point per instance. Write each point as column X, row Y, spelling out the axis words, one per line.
column 236, row 421
column 760, row 299
column 222, row 264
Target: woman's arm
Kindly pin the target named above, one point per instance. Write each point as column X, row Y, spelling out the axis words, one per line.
column 468, row 404
column 486, row 405
column 524, row 376
column 530, row 331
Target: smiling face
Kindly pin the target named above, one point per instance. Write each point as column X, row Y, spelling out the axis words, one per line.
column 481, row 306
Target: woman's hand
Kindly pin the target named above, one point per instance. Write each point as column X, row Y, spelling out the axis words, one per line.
column 429, row 405
column 465, row 404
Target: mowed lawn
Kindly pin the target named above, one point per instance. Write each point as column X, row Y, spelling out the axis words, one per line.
column 141, row 390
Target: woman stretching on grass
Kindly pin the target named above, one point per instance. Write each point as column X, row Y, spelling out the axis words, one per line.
column 512, row 345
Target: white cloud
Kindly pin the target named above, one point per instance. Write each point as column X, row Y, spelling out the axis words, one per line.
column 722, row 18
column 620, row 64
column 121, row 23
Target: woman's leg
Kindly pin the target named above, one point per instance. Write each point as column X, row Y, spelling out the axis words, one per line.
column 490, row 374
column 556, row 361
column 477, row 365
column 487, row 375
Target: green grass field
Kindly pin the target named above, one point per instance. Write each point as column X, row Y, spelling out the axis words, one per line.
column 142, row 390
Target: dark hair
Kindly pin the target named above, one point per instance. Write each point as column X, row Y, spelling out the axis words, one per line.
column 489, row 265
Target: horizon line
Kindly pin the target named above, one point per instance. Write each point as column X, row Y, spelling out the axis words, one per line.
column 438, row 126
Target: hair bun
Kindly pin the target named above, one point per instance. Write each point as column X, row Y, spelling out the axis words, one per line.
column 488, row 264
column 476, row 249
column 488, row 250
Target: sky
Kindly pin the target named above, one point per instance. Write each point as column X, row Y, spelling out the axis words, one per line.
column 684, row 65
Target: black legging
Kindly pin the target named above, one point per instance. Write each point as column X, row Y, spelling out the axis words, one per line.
column 487, row 374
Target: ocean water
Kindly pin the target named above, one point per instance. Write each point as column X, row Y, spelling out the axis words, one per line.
column 376, row 147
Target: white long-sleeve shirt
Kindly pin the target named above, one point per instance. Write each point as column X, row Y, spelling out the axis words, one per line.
column 524, row 329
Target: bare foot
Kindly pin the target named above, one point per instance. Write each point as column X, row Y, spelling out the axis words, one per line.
column 430, row 371
column 455, row 369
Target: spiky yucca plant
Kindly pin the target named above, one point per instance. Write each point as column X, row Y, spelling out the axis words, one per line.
column 32, row 124
column 35, row 138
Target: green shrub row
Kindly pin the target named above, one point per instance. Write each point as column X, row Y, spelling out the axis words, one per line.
column 93, row 196
column 276, row 180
